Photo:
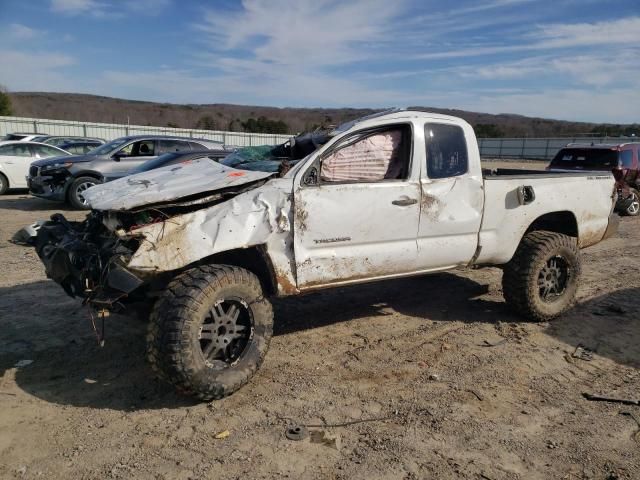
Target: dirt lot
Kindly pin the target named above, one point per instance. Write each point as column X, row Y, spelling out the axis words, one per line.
column 423, row 356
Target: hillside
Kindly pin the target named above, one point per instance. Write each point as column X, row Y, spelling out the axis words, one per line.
column 92, row 108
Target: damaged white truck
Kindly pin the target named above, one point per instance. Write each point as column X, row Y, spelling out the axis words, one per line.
column 394, row 194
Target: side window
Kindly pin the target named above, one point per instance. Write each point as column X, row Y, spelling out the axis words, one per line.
column 626, row 158
column 138, row 149
column 44, row 151
column 6, row 150
column 369, row 156
column 196, row 146
column 165, row 146
column 446, row 150
column 18, row 151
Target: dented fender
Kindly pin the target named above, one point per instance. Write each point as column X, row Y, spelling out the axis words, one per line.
column 257, row 217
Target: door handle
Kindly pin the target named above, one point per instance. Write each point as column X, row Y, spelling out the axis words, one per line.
column 404, row 202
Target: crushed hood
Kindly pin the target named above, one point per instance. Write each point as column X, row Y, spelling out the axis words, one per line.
column 169, row 184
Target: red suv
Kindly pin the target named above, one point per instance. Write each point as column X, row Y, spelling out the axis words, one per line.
column 622, row 159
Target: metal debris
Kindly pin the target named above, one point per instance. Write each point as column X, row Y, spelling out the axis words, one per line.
column 600, row 398
column 297, row 433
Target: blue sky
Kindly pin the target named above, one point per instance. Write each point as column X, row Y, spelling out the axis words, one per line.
column 565, row 59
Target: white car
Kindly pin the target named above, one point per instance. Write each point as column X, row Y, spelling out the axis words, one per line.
column 16, row 158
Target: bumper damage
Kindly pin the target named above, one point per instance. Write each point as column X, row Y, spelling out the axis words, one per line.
column 51, row 185
column 87, row 259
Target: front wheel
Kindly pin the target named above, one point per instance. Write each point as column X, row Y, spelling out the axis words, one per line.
column 541, row 280
column 634, row 207
column 210, row 331
column 4, row 184
column 77, row 189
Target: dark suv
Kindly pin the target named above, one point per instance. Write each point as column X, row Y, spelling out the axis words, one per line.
column 66, row 178
column 622, row 159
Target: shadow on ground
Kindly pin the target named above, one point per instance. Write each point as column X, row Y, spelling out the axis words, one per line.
column 69, row 367
column 609, row 325
column 25, row 202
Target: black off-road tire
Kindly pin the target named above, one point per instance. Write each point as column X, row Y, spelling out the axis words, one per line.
column 633, row 210
column 174, row 344
column 74, row 194
column 522, row 275
column 4, row 184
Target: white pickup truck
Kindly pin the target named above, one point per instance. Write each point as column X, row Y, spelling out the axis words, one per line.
column 391, row 195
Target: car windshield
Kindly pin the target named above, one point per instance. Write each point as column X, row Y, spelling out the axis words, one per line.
column 109, row 147
column 156, row 162
column 586, row 158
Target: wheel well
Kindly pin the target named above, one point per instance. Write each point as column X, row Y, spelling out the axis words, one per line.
column 560, row 222
column 254, row 259
column 75, row 176
column 6, row 178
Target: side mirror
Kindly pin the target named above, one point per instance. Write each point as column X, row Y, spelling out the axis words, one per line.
column 118, row 156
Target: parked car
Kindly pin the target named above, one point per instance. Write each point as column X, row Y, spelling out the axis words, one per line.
column 23, row 137
column 80, row 147
column 15, row 159
column 58, row 141
column 167, row 159
column 391, row 195
column 67, row 182
column 622, row 159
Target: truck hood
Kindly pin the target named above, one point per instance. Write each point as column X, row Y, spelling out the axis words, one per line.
column 63, row 158
column 193, row 179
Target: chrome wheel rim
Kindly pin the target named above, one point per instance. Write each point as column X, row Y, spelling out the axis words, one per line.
column 634, row 208
column 82, row 188
column 553, row 278
column 225, row 333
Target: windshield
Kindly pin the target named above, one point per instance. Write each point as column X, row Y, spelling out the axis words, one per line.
column 109, row 147
column 156, row 162
column 586, row 158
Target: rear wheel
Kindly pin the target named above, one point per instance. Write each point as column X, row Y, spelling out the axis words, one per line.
column 634, row 208
column 210, row 331
column 541, row 280
column 4, row 184
column 77, row 189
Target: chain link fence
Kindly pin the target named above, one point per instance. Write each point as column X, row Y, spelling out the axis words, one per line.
column 108, row 131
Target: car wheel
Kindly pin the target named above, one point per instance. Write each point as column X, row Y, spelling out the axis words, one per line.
column 210, row 330
column 541, row 280
column 76, row 190
column 4, row 184
column 634, row 208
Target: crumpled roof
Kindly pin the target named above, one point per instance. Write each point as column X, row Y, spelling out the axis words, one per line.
column 168, row 184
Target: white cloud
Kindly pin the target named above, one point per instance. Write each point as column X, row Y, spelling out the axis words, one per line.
column 18, row 31
column 581, row 104
column 35, row 71
column 305, row 33
column 108, row 9
column 74, row 7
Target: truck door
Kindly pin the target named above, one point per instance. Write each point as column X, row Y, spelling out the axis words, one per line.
column 356, row 209
column 451, row 197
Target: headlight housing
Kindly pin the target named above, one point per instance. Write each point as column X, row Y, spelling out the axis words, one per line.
column 57, row 165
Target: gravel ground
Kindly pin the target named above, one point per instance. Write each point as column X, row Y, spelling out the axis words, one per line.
column 445, row 381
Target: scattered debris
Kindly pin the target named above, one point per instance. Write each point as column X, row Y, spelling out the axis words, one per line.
column 221, row 435
column 552, row 445
column 328, row 439
column 583, row 353
column 476, row 394
column 297, row 433
column 23, row 363
column 434, row 377
column 352, row 422
column 487, row 343
column 600, row 398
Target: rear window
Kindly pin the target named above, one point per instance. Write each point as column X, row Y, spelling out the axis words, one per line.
column 586, row 158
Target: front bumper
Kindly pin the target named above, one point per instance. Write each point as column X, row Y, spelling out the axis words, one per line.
column 51, row 187
column 87, row 260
